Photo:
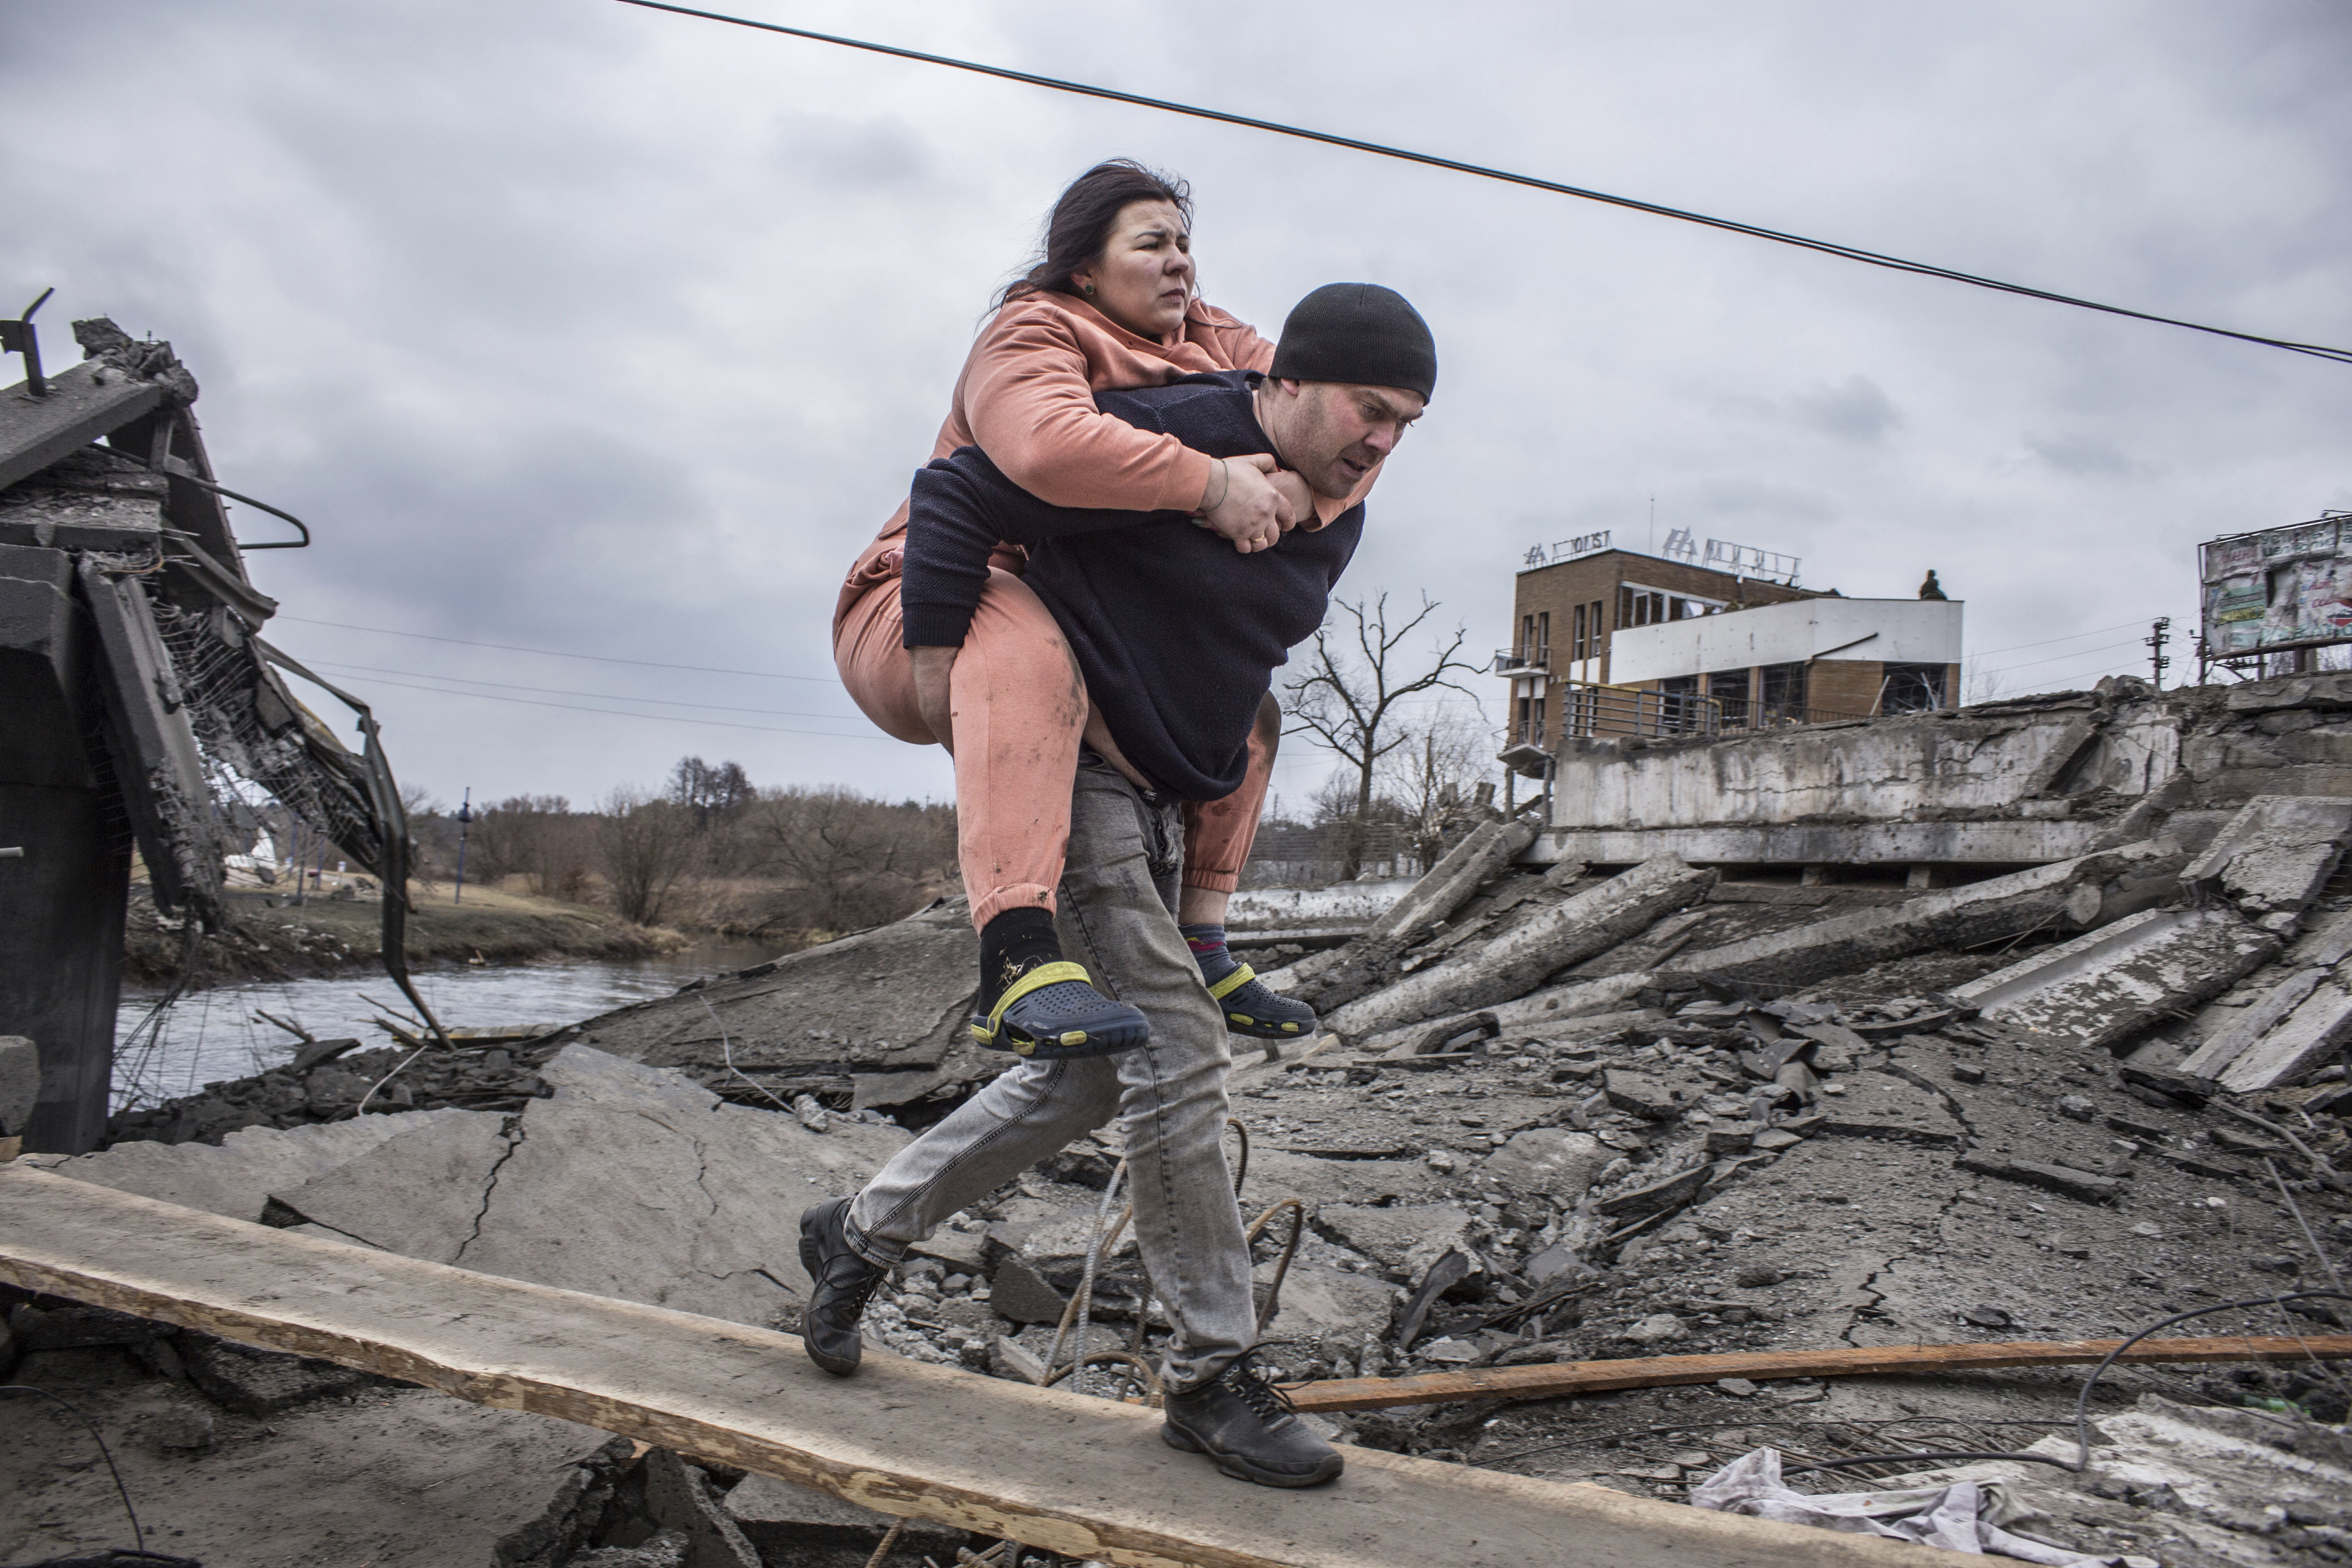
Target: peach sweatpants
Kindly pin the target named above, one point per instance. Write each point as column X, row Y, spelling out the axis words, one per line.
column 1020, row 708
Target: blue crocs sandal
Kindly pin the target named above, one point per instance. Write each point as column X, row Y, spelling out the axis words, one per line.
column 1055, row 1011
column 1253, row 1009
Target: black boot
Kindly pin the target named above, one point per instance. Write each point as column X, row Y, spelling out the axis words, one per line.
column 1247, row 1426
column 840, row 1282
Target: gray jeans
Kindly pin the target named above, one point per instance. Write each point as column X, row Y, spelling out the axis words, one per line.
column 1117, row 916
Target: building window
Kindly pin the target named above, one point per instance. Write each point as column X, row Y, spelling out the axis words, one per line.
column 1598, row 645
column 1526, row 637
column 1640, row 607
column 1783, row 696
column 1576, row 633
column 1911, row 687
column 1728, row 689
column 1543, row 639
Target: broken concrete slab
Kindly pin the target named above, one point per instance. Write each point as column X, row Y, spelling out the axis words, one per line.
column 629, row 1181
column 1551, row 1161
column 2274, row 856
column 680, row 1497
column 1516, row 963
column 1319, row 1301
column 262, row 1382
column 1879, row 1105
column 1361, row 964
column 1577, row 1001
column 891, row 1001
column 1663, row 1194
column 2318, row 1025
column 1276, row 1173
column 2086, row 1185
column 235, row 1177
column 2232, row 1031
column 799, row 1527
column 1404, row 1239
column 1643, row 1095
column 2103, row 990
column 2069, row 895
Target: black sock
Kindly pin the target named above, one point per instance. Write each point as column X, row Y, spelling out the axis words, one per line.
column 1010, row 945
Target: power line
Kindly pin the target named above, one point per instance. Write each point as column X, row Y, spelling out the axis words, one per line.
column 617, row 713
column 2061, row 658
column 599, row 696
column 559, row 653
column 2045, row 642
column 1826, row 247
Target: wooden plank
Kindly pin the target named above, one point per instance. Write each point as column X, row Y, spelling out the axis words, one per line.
column 1558, row 1379
column 81, row 406
column 1087, row 1478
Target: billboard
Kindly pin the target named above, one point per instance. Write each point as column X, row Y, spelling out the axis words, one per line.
column 2283, row 586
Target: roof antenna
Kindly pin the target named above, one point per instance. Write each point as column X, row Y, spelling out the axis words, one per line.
column 17, row 337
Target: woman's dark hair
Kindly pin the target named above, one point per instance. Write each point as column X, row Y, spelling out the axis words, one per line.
column 1082, row 220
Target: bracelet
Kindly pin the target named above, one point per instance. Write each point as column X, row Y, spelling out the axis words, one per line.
column 1224, row 490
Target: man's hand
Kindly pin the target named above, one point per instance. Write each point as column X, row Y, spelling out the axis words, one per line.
column 1299, row 496
column 934, row 665
column 1248, row 510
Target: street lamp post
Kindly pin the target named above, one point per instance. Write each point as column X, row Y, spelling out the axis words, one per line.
column 465, row 816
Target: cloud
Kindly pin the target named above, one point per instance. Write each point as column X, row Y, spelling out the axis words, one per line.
column 2087, row 456
column 573, row 326
column 1855, row 410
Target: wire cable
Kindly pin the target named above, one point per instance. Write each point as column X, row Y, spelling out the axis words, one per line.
column 559, row 653
column 619, row 713
column 1826, row 247
column 2071, row 637
column 138, row 1539
column 561, row 691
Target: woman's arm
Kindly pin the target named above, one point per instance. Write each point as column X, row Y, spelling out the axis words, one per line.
column 1027, row 399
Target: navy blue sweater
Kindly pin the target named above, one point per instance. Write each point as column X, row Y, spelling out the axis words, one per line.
column 1177, row 633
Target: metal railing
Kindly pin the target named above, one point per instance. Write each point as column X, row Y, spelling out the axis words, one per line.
column 1584, row 708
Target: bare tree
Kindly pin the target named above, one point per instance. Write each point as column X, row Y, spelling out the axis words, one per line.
column 646, row 843
column 1980, row 684
column 1435, row 777
column 847, row 860
column 538, row 836
column 1347, row 698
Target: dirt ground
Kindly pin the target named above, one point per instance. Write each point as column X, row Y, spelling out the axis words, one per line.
column 390, row 1477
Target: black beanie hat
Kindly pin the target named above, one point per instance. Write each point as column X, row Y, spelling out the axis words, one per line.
column 1360, row 333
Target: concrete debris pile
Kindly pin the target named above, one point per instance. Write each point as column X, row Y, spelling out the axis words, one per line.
column 1566, row 1110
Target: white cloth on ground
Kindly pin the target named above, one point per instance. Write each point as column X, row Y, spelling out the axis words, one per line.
column 1966, row 1516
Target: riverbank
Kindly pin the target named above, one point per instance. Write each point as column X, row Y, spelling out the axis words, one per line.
column 276, row 939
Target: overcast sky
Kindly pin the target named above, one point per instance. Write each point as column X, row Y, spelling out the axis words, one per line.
column 576, row 327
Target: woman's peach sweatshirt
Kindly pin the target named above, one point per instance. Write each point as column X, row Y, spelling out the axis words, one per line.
column 1026, row 397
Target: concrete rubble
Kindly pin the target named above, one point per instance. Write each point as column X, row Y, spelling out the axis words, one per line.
column 1569, row 1109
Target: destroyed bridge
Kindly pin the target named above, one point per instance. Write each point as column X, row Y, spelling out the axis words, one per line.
column 1946, row 1112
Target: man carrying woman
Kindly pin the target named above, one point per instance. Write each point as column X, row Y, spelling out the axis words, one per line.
column 1168, row 637
column 1113, row 304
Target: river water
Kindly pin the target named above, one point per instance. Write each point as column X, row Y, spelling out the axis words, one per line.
column 210, row 1036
